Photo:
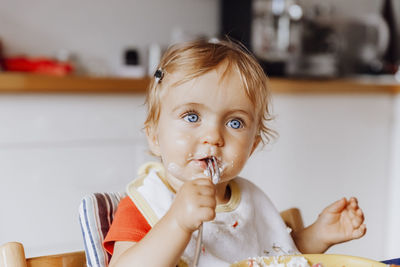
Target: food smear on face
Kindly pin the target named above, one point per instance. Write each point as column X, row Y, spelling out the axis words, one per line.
column 177, row 171
column 222, row 166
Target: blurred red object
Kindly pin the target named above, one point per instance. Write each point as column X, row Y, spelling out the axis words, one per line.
column 37, row 65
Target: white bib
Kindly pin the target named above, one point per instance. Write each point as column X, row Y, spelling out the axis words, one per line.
column 247, row 226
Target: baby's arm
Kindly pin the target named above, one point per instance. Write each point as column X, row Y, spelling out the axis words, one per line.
column 165, row 242
column 339, row 222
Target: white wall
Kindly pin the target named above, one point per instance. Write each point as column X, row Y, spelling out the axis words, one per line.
column 54, row 149
column 393, row 220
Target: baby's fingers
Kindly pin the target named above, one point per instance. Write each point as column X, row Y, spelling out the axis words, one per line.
column 205, row 187
column 359, row 214
column 355, row 220
column 359, row 232
column 206, row 191
column 336, row 206
column 203, row 214
column 202, row 181
column 352, row 204
column 356, row 217
column 206, row 214
column 206, row 201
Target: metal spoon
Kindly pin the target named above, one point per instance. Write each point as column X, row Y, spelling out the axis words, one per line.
column 213, row 172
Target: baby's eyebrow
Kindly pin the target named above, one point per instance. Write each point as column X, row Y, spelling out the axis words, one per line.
column 249, row 115
column 186, row 105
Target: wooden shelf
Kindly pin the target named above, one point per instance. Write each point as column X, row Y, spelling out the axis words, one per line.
column 334, row 86
column 32, row 83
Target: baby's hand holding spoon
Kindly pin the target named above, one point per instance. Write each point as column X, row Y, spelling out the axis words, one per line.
column 214, row 173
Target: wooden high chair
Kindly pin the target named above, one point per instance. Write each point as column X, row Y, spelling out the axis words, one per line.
column 12, row 254
column 292, row 218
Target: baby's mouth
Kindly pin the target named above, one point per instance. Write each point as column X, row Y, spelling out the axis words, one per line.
column 212, row 169
column 203, row 162
column 206, row 160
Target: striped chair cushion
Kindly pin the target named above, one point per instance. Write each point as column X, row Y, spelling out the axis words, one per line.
column 96, row 213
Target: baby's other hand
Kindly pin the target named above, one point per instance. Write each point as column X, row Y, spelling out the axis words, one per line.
column 194, row 203
column 341, row 221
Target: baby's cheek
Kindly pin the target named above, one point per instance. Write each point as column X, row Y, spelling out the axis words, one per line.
column 176, row 141
column 239, row 164
column 181, row 141
column 183, row 145
column 240, row 155
column 172, row 147
column 234, row 164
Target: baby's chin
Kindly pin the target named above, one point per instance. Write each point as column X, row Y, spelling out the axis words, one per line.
column 179, row 178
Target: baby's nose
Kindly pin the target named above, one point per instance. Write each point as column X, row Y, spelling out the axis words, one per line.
column 213, row 135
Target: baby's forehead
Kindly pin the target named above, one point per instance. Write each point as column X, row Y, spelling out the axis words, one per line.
column 223, row 71
column 205, row 93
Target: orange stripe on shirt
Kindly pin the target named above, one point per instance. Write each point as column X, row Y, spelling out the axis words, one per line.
column 128, row 225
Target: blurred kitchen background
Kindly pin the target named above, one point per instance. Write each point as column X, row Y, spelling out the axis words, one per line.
column 61, row 138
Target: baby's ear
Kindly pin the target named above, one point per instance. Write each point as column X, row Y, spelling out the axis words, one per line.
column 257, row 141
column 152, row 140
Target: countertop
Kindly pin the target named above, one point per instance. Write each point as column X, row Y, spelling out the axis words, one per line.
column 33, row 83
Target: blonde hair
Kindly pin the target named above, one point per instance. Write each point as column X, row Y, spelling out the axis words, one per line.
column 195, row 58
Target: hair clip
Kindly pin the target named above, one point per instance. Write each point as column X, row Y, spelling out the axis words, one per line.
column 159, row 75
column 213, row 40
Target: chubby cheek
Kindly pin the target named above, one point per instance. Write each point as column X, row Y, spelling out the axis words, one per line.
column 234, row 165
column 174, row 147
column 235, row 158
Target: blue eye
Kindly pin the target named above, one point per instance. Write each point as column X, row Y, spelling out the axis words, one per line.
column 191, row 117
column 235, row 124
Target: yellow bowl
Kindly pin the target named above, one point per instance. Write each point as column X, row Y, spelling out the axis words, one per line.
column 327, row 260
